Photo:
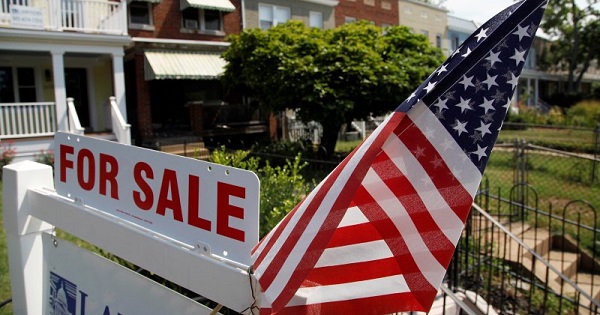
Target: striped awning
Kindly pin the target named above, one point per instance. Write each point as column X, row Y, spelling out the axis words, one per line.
column 176, row 65
column 219, row 5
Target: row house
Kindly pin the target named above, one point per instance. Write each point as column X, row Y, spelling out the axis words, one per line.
column 429, row 20
column 173, row 65
column 61, row 68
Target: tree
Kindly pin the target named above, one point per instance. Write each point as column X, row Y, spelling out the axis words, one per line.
column 329, row 76
column 577, row 33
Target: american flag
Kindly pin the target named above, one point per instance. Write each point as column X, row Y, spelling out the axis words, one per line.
column 377, row 235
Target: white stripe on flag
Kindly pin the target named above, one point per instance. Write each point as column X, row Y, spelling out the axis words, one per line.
column 451, row 152
column 450, row 224
column 426, row 262
column 347, row 291
column 353, row 216
column 354, row 253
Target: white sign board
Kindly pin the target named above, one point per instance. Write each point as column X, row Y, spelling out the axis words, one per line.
column 24, row 16
column 201, row 204
column 78, row 282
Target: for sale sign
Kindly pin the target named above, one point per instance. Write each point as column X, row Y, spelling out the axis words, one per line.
column 79, row 282
column 194, row 202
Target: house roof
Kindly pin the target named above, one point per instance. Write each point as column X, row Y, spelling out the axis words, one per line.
column 461, row 25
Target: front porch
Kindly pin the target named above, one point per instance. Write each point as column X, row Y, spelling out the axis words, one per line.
column 30, row 127
column 88, row 16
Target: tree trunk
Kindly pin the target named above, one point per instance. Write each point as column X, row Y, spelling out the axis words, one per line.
column 329, row 138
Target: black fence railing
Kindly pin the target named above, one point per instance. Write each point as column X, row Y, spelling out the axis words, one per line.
column 520, row 259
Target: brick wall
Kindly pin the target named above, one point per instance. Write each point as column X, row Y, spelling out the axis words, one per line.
column 378, row 11
column 167, row 23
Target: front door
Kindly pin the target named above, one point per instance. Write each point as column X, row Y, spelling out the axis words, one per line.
column 77, row 88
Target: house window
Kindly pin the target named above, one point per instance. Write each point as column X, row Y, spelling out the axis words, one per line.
column 438, row 41
column 204, row 20
column 25, row 90
column 455, row 42
column 425, row 32
column 26, row 85
column 270, row 15
column 349, row 19
column 7, row 92
column 140, row 13
column 316, row 19
column 424, row 14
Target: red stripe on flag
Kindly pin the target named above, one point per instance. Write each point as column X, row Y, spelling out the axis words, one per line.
column 354, row 234
column 353, row 272
column 414, row 278
column 435, row 240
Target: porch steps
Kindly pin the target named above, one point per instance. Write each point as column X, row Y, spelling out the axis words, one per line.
column 567, row 262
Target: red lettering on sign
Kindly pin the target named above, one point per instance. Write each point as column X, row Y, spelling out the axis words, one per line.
column 82, row 156
column 226, row 210
column 64, row 163
column 109, row 168
column 169, row 183
column 145, row 202
column 194, row 218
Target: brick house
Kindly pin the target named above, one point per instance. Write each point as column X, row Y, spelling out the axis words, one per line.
column 173, row 64
column 380, row 12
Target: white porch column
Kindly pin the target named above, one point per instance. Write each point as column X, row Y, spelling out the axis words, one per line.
column 60, row 90
column 119, row 82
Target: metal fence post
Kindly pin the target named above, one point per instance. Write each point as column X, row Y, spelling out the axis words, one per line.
column 594, row 162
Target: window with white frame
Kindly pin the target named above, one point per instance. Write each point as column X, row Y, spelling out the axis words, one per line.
column 17, row 88
column 271, row 15
column 315, row 19
column 438, row 40
column 140, row 14
column 203, row 20
column 349, row 19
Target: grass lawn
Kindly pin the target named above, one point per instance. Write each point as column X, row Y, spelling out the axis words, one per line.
column 573, row 140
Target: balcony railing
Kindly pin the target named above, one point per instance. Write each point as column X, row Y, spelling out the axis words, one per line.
column 22, row 120
column 89, row 16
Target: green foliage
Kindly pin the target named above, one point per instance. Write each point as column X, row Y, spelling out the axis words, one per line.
column 576, row 29
column 530, row 115
column 281, row 187
column 45, row 157
column 584, row 114
column 330, row 76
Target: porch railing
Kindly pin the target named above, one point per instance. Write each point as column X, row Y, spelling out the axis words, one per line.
column 121, row 129
column 22, row 120
column 74, row 123
column 90, row 16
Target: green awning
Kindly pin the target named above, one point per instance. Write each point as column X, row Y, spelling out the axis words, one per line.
column 219, row 5
column 177, row 65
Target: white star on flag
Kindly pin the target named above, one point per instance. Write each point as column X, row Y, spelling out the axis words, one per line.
column 377, row 235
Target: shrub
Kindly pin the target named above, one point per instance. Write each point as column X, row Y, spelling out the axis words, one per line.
column 45, row 157
column 7, row 154
column 584, row 114
column 281, row 187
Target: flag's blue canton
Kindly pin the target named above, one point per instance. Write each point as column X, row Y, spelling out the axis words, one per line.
column 473, row 108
